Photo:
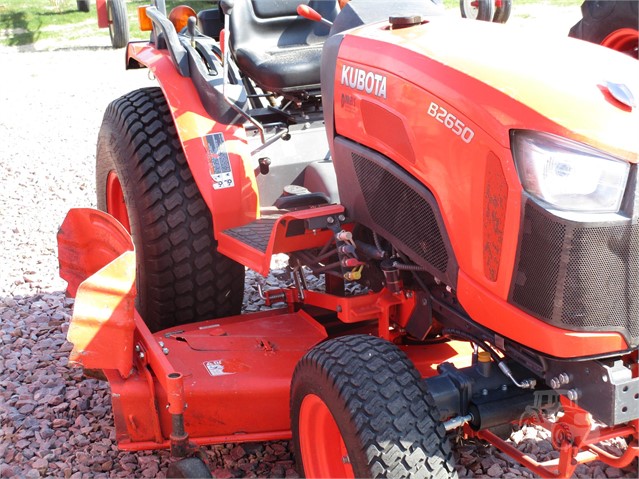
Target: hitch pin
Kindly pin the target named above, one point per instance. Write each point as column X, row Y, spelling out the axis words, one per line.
column 456, row 422
column 260, row 292
column 275, row 298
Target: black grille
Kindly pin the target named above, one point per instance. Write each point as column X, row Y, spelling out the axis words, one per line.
column 577, row 276
column 402, row 211
column 536, row 281
column 600, row 289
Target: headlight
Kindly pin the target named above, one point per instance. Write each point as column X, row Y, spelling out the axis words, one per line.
column 568, row 175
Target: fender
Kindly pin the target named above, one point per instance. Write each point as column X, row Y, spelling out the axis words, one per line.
column 231, row 195
column 103, row 16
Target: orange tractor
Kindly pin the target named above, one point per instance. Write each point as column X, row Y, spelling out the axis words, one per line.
column 471, row 222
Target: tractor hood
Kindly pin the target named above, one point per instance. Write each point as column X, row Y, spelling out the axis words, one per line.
column 507, row 78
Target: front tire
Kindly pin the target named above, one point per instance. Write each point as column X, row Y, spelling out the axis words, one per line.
column 477, row 9
column 118, row 23
column 358, row 409
column 143, row 179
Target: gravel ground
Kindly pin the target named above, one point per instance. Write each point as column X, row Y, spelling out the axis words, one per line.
column 54, row 423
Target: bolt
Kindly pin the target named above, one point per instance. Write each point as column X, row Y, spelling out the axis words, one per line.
column 330, row 220
column 161, row 343
column 346, row 459
column 165, row 350
column 564, row 378
column 141, row 355
column 484, row 392
column 561, row 437
column 504, row 387
column 555, row 383
column 449, row 289
column 573, row 394
column 424, row 301
column 409, row 294
column 137, row 348
column 341, row 218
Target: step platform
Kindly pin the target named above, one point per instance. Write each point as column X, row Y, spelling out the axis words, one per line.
column 255, row 243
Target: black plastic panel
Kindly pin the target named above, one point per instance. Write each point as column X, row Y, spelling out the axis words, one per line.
column 379, row 194
column 577, row 275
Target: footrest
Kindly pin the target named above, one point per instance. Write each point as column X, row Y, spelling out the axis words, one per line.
column 253, row 244
column 255, row 234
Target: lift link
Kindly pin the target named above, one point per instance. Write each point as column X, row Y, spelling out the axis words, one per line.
column 180, row 446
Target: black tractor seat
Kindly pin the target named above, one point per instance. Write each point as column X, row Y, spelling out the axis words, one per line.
column 279, row 50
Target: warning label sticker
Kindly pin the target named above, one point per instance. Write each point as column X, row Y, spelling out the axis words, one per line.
column 219, row 164
column 216, row 368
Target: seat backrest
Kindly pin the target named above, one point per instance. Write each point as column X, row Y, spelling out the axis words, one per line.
column 264, row 25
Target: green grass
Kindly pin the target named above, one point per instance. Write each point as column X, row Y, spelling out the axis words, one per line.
column 26, row 21
column 23, row 22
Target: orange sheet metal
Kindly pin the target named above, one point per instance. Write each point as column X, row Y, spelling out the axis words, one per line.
column 87, row 241
column 97, row 261
column 102, row 326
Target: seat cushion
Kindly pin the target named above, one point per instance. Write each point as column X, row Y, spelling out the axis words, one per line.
column 283, row 69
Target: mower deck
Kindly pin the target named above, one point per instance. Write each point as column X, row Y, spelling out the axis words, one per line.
column 210, row 374
column 224, row 365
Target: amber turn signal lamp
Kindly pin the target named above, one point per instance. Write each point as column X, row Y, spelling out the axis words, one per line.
column 146, row 25
column 179, row 16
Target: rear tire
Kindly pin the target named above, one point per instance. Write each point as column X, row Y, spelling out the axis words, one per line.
column 600, row 19
column 358, row 409
column 502, row 13
column 181, row 278
column 118, row 23
column 83, row 5
column 477, row 9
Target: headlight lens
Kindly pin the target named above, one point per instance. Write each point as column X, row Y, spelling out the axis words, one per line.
column 569, row 175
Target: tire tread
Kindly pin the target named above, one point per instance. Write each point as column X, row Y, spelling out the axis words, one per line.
column 171, row 223
column 396, row 409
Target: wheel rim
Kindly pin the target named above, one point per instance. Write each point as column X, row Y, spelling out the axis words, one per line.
column 624, row 40
column 115, row 204
column 322, row 446
column 472, row 9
